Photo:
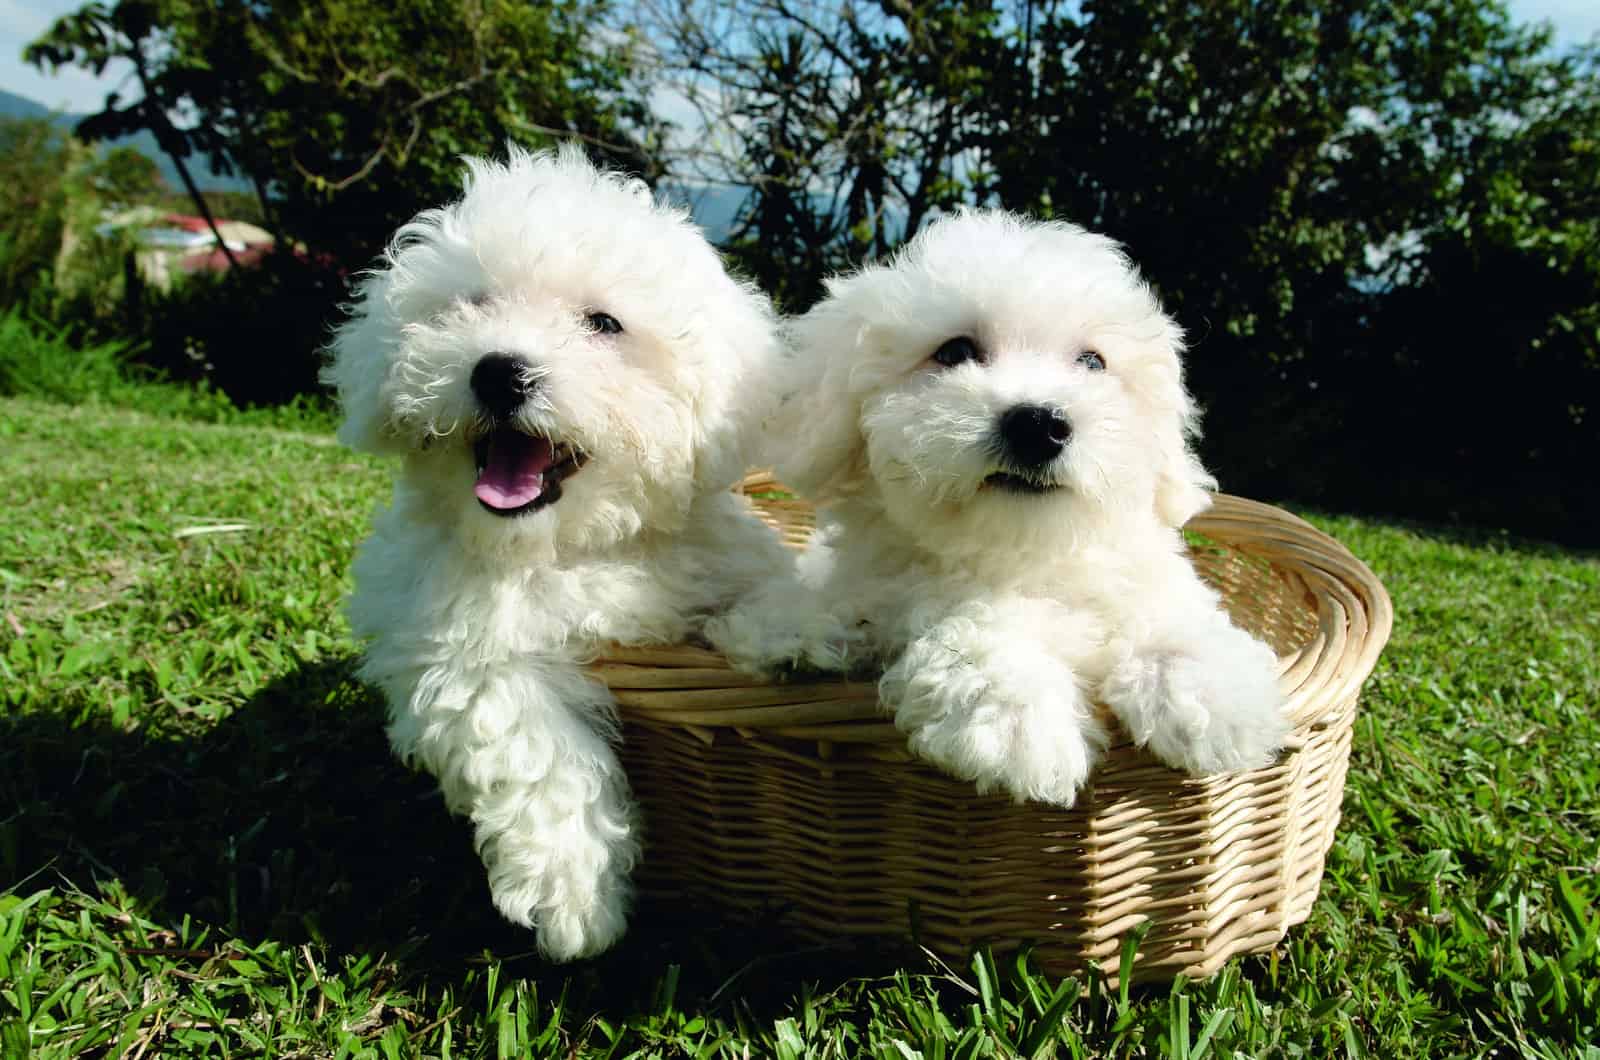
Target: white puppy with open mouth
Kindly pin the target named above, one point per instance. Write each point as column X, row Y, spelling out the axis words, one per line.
column 996, row 426
column 567, row 374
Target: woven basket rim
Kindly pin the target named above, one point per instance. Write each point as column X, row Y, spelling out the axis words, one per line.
column 694, row 687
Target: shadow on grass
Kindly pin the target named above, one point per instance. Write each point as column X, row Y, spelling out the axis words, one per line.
column 289, row 820
column 1463, row 534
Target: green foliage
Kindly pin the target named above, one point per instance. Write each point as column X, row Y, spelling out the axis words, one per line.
column 79, row 320
column 65, row 272
column 1498, row 307
column 847, row 122
column 233, row 205
column 206, row 849
column 1376, row 221
column 54, row 194
column 125, row 176
column 347, row 116
column 41, row 361
column 254, row 333
column 34, row 158
column 350, row 115
column 45, row 361
column 1330, row 199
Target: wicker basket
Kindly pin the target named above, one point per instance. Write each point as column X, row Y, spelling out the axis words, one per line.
column 801, row 799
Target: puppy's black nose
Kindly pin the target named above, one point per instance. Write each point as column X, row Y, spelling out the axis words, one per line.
column 1033, row 435
column 502, row 382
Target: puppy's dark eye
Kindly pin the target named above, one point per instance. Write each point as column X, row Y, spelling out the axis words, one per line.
column 1092, row 361
column 957, row 351
column 603, row 324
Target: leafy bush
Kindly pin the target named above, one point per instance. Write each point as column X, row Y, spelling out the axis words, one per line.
column 349, row 115
column 34, row 160
column 39, row 360
column 55, row 259
column 251, row 333
column 44, row 361
column 79, row 321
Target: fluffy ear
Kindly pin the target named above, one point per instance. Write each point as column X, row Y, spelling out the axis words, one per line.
column 815, row 434
column 1183, row 487
column 735, row 403
column 356, row 364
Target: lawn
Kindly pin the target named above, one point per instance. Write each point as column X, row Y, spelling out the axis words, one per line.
column 205, row 848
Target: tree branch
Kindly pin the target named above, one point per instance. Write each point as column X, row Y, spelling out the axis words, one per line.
column 167, row 136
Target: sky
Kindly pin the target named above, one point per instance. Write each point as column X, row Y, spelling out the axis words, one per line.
column 72, row 90
column 77, row 91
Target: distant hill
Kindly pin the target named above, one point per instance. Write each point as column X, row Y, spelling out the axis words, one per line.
column 15, row 106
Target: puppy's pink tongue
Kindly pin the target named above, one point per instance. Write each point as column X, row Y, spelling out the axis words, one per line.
column 513, row 474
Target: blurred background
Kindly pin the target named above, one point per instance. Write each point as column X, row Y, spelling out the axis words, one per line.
column 1377, row 220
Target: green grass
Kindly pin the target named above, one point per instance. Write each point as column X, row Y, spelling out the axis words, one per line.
column 205, row 848
column 46, row 361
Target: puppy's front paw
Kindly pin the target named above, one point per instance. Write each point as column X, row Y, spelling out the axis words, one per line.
column 787, row 646
column 1018, row 724
column 587, row 920
column 563, row 874
column 1214, row 708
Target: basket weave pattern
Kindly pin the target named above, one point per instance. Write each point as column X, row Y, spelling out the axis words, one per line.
column 801, row 799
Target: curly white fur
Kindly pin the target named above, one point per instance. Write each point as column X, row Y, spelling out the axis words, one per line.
column 478, row 619
column 1001, row 608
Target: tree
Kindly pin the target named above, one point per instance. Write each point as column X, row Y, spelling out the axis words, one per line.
column 1320, row 191
column 35, row 159
column 124, row 176
column 1328, row 194
column 1251, row 153
column 349, row 115
column 847, row 122
column 1494, row 314
column 57, row 258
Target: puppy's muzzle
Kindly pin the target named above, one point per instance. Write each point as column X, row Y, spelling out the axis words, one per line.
column 502, row 382
column 1032, row 435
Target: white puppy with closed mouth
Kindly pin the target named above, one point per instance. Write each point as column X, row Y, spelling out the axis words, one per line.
column 567, row 375
column 996, row 425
